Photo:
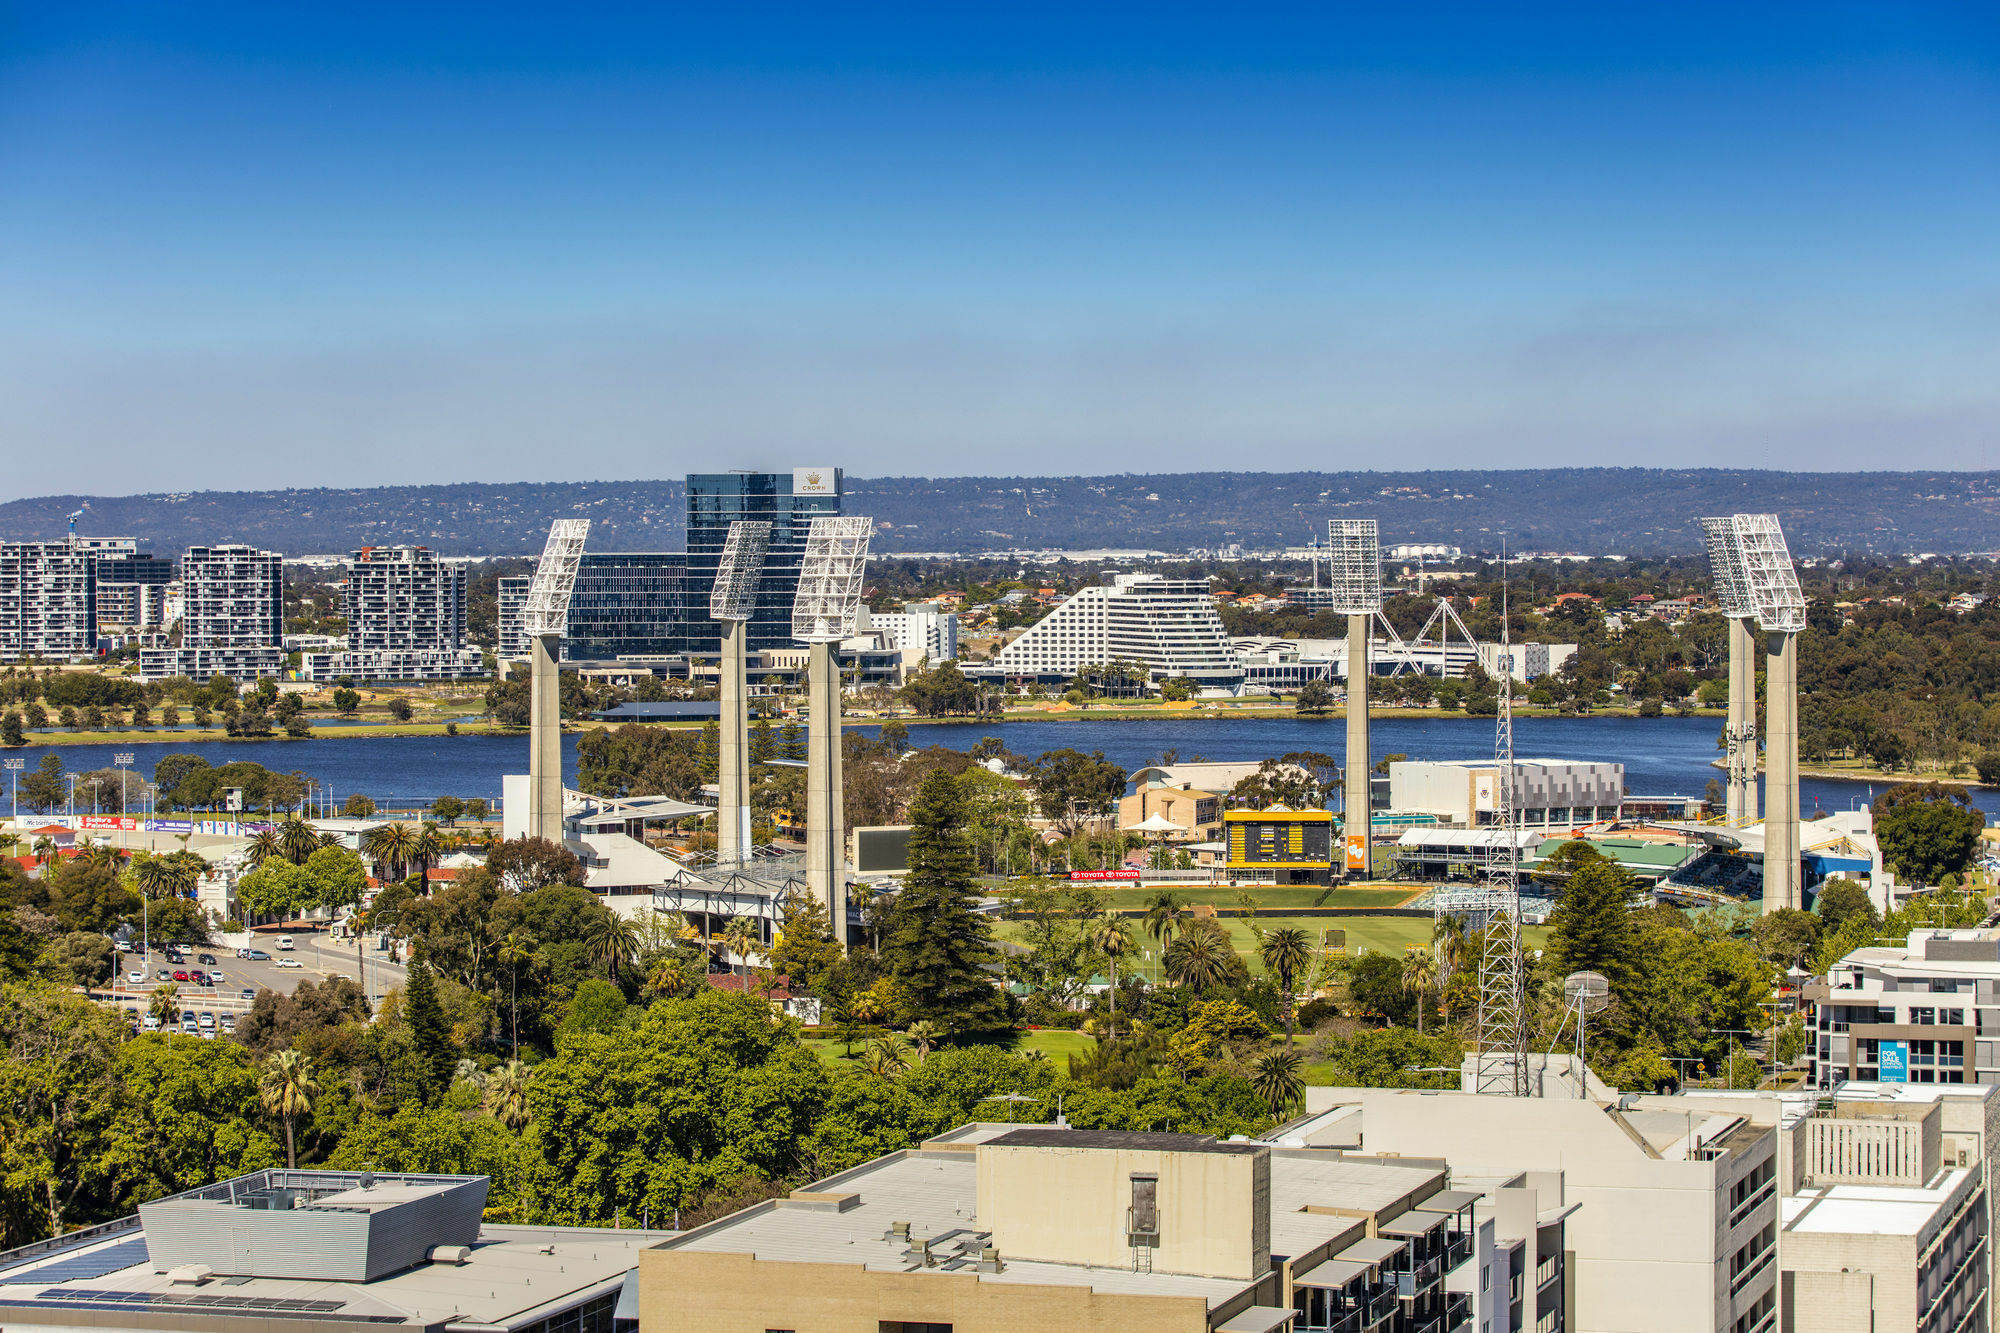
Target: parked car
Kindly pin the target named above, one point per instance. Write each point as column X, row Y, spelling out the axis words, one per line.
column 288, row 962
column 180, row 974
column 150, row 1023
column 257, row 955
column 247, row 993
column 136, row 977
column 215, row 977
column 188, row 1023
column 229, row 1022
column 164, row 975
column 198, row 977
column 206, row 1019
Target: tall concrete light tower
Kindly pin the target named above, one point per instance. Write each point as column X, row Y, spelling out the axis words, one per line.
column 544, row 617
column 1771, row 584
column 732, row 601
column 1732, row 597
column 1355, row 581
column 824, row 613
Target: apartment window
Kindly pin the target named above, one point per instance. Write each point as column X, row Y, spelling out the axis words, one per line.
column 1923, row 1017
column 1952, row 1017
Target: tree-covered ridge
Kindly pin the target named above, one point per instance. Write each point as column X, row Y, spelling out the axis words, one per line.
column 1594, row 510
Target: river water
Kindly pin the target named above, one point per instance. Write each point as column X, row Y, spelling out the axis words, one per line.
column 1662, row 756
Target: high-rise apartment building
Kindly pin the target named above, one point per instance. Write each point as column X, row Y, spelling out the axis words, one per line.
column 921, row 631
column 510, row 634
column 789, row 502
column 232, row 616
column 48, row 601
column 1168, row 625
column 405, row 620
column 133, row 591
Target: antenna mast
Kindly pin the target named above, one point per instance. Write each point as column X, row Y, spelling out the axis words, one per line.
column 1502, row 1061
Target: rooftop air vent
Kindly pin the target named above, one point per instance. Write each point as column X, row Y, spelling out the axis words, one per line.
column 190, row 1275
column 455, row 1255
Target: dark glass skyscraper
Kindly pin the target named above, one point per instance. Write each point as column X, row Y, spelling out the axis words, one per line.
column 790, row 501
column 629, row 604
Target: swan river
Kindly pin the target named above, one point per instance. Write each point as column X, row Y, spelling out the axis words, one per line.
column 1662, row 756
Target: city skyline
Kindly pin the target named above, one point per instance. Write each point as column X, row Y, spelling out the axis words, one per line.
column 299, row 248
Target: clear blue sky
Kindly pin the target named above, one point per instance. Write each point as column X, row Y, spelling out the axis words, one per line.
column 303, row 244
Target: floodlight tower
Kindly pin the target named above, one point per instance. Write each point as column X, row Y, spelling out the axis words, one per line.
column 828, row 603
column 731, row 602
column 545, row 615
column 1501, row 1065
column 1354, row 576
column 1771, row 584
column 1732, row 597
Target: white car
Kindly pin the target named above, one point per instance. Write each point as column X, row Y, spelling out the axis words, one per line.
column 215, row 977
column 150, row 1023
column 136, row 977
column 288, row 962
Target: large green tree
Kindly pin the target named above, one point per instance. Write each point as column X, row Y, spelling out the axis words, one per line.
column 1927, row 831
column 940, row 950
column 428, row 1030
column 1591, row 929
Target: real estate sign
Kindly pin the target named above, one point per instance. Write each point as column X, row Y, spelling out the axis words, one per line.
column 1895, row 1061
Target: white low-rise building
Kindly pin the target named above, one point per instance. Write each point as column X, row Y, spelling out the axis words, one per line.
column 1551, row 795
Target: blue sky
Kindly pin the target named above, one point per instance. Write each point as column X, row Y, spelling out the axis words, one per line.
column 302, row 244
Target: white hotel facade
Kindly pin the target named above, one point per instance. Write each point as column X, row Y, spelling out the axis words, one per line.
column 1168, row 624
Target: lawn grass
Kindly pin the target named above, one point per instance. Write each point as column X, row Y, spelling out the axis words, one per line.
column 1057, row 1044
column 1269, row 898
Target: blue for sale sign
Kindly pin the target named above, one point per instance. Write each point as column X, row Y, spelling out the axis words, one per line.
column 1895, row 1061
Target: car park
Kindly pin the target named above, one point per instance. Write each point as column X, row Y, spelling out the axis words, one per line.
column 288, row 962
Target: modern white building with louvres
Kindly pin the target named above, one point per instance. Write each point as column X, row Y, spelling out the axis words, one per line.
column 1170, row 625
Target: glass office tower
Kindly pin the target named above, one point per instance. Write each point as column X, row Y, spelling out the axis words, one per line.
column 628, row 604
column 789, row 501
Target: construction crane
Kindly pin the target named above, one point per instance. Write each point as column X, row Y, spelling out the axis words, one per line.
column 74, row 515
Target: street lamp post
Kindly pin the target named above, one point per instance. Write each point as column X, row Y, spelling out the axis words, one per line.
column 123, row 760
column 14, row 767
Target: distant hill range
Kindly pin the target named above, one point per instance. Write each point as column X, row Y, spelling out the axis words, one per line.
column 1594, row 511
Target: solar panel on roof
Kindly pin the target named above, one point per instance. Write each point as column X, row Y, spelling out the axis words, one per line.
column 95, row 1263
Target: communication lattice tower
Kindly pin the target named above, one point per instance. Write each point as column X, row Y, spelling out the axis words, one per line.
column 1502, row 1061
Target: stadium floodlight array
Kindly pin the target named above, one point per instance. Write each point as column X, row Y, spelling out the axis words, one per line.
column 1725, row 563
column 546, row 610
column 1770, row 582
column 738, row 570
column 1354, row 566
column 829, row 597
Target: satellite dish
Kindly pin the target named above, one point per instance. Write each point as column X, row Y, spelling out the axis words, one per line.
column 1590, row 991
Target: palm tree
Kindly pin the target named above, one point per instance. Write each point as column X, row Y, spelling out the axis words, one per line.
column 1448, row 943
column 287, row 1089
column 1278, row 1081
column 514, row 951
column 165, row 1004
column 888, row 1056
column 924, row 1035
column 45, row 850
column 263, row 846
column 1198, row 958
column 611, row 942
column 743, row 938
column 1286, row 953
column 1420, row 974
column 507, row 1096
column 157, row 877
column 428, row 848
column 393, row 846
column 1166, row 914
column 1111, row 937
column 297, row 840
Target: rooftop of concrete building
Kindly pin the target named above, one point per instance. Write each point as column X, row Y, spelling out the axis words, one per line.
column 879, row 1215
column 179, row 1259
column 1874, row 1210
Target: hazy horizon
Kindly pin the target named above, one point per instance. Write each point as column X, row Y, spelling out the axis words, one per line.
column 256, row 247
